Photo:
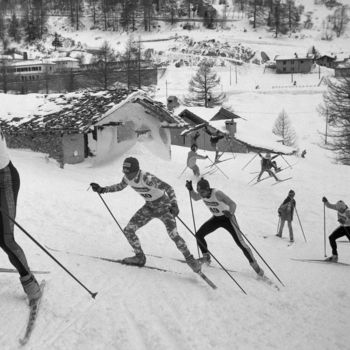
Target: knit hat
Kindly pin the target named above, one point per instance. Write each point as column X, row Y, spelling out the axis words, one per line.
column 130, row 165
column 291, row 192
column 203, row 184
column 340, row 205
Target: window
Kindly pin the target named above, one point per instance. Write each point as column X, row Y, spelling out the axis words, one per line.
column 284, row 69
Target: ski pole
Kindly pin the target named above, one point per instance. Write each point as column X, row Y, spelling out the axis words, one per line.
column 116, row 221
column 201, row 244
column 249, row 161
column 238, row 229
column 93, row 295
column 324, row 229
column 182, row 172
column 300, row 223
column 218, row 168
column 194, row 221
column 286, row 161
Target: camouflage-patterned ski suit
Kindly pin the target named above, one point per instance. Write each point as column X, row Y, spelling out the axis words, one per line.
column 159, row 197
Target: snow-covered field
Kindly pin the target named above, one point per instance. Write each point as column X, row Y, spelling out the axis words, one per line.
column 142, row 309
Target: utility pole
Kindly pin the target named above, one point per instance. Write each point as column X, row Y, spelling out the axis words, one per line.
column 139, row 62
column 325, row 139
column 230, row 74
column 236, row 72
column 166, row 90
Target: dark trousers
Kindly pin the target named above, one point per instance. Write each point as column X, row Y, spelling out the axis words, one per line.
column 9, row 188
column 222, row 221
column 341, row 231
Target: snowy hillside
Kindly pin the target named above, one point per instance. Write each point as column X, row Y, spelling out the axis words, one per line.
column 145, row 309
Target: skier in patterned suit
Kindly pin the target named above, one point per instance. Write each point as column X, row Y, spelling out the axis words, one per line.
column 160, row 203
column 9, row 188
column 223, row 209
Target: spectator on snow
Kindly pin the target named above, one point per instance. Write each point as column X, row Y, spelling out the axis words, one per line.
column 9, row 188
column 223, row 209
column 192, row 158
column 267, row 164
column 341, row 231
column 160, row 203
column 285, row 212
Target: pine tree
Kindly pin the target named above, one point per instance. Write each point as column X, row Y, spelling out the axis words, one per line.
column 14, row 29
column 336, row 110
column 202, row 88
column 284, row 129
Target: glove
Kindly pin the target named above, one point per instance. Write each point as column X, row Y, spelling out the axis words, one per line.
column 189, row 185
column 279, row 213
column 174, row 209
column 227, row 213
column 96, row 187
column 206, row 156
column 194, row 264
column 341, row 220
column 324, row 200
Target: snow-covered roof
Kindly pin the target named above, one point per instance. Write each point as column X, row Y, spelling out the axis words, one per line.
column 289, row 58
column 64, row 59
column 31, row 63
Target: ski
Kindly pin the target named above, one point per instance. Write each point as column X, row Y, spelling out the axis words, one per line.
column 321, row 261
column 219, row 161
column 282, row 180
column 6, row 270
column 267, row 177
column 184, row 262
column 117, row 261
column 33, row 314
column 206, row 279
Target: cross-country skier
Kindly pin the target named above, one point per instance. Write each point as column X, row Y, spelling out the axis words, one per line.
column 160, row 203
column 266, row 164
column 9, row 188
column 192, row 157
column 223, row 209
column 215, row 137
column 285, row 212
column 344, row 228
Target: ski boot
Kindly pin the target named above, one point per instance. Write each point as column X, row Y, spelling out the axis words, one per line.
column 205, row 259
column 194, row 264
column 257, row 268
column 137, row 260
column 31, row 286
column 333, row 258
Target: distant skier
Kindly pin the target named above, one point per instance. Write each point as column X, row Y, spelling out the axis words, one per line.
column 223, row 209
column 215, row 137
column 192, row 158
column 160, row 203
column 285, row 212
column 194, row 138
column 341, row 231
column 9, row 188
column 267, row 164
column 303, row 153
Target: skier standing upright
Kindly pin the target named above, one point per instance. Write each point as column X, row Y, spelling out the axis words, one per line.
column 343, row 212
column 223, row 209
column 267, row 164
column 285, row 212
column 160, row 203
column 9, row 188
column 215, row 137
column 192, row 157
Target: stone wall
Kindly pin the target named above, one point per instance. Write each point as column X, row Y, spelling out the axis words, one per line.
column 49, row 143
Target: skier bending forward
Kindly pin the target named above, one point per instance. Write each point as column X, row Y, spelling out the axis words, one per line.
column 160, row 203
column 223, row 209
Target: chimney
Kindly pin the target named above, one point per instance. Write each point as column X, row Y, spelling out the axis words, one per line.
column 231, row 127
column 25, row 56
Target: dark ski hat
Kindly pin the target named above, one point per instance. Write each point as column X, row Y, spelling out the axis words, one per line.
column 203, row 184
column 130, row 165
column 291, row 192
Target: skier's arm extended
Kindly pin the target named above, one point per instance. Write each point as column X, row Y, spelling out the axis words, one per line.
column 115, row 188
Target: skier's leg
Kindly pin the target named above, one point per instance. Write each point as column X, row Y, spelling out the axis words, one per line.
column 339, row 232
column 208, row 227
column 9, row 187
column 196, row 170
column 261, row 172
column 291, row 237
column 139, row 219
column 279, row 234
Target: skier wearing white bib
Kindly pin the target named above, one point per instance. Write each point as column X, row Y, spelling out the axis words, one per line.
column 160, row 203
column 223, row 209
